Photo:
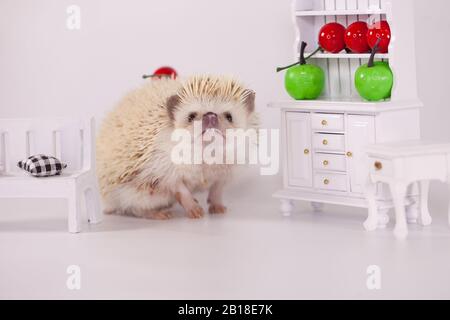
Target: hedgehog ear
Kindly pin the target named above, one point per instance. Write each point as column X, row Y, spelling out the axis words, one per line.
column 249, row 100
column 172, row 103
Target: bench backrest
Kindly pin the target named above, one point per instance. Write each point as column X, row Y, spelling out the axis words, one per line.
column 70, row 140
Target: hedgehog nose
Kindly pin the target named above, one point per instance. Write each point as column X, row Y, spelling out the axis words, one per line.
column 210, row 120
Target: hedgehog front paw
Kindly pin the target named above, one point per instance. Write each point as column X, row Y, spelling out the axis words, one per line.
column 196, row 212
column 217, row 209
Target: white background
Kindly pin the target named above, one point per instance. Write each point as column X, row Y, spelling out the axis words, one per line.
column 251, row 253
column 45, row 69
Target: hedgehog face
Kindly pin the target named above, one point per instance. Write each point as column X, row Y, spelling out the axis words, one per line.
column 213, row 115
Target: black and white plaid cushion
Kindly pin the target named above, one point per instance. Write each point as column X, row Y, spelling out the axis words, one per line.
column 41, row 165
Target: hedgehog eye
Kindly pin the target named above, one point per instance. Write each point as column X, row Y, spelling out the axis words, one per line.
column 229, row 117
column 192, row 116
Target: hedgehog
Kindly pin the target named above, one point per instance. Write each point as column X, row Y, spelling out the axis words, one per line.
column 136, row 174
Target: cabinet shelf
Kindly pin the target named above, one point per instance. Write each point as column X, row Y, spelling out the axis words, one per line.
column 311, row 130
column 346, row 56
column 315, row 13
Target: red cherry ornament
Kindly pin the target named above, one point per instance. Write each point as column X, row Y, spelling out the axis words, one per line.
column 163, row 72
column 331, row 37
column 356, row 37
column 166, row 71
column 379, row 30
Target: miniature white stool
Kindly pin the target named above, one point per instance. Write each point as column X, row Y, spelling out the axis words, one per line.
column 399, row 165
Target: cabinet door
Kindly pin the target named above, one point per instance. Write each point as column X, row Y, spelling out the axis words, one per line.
column 298, row 148
column 360, row 133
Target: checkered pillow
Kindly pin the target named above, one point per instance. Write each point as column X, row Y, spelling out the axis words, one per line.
column 42, row 166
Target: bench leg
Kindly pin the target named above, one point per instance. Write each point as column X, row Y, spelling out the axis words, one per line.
column 371, row 223
column 94, row 212
column 425, row 217
column 74, row 206
column 398, row 191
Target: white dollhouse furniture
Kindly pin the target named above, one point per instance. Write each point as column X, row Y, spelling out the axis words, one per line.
column 323, row 140
column 399, row 165
column 70, row 140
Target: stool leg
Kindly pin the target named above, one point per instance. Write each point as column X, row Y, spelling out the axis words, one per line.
column 371, row 223
column 412, row 211
column 398, row 191
column 383, row 218
column 286, row 207
column 425, row 217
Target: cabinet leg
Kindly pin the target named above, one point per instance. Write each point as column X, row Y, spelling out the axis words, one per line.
column 383, row 218
column 317, row 206
column 372, row 220
column 398, row 191
column 286, row 208
column 425, row 217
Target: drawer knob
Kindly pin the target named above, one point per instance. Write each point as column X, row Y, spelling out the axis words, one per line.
column 349, row 154
column 326, row 182
column 378, row 165
column 306, row 151
column 325, row 142
column 326, row 163
column 324, row 122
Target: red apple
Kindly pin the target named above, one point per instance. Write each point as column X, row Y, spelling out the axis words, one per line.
column 379, row 30
column 331, row 37
column 356, row 37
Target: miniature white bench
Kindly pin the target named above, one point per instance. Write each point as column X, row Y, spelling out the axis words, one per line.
column 399, row 165
column 70, row 140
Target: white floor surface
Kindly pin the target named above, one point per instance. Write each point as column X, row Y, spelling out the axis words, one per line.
column 250, row 253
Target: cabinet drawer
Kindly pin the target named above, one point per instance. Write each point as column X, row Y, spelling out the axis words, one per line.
column 329, row 142
column 332, row 182
column 331, row 162
column 327, row 122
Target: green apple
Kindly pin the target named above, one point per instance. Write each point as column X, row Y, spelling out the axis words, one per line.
column 304, row 81
column 374, row 80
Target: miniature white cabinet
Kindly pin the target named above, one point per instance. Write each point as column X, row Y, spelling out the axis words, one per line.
column 323, row 140
column 323, row 148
